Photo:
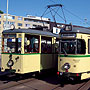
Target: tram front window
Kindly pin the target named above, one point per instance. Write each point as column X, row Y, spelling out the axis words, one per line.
column 11, row 44
column 68, row 47
column 73, row 46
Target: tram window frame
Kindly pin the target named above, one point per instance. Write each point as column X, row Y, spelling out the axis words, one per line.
column 83, row 49
column 77, row 50
column 10, row 44
column 66, row 43
column 31, row 48
column 88, row 46
column 45, row 48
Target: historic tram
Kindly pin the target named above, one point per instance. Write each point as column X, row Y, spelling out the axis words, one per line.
column 74, row 56
column 28, row 50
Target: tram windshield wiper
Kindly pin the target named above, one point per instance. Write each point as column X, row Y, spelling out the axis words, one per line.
column 65, row 53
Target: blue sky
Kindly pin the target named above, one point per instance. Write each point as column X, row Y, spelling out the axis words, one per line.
column 80, row 8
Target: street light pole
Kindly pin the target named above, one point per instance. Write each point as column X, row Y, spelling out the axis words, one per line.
column 7, row 16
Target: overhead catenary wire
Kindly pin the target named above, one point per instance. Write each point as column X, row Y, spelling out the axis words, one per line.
column 63, row 9
column 52, row 1
column 75, row 15
column 52, row 9
column 63, row 14
column 46, row 13
column 57, row 11
column 53, row 16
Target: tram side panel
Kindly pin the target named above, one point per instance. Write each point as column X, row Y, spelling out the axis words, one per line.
column 5, row 59
column 24, row 64
column 16, row 59
column 28, row 63
column 46, row 61
column 31, row 63
column 37, row 62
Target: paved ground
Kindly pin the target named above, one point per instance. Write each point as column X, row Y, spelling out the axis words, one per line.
column 47, row 82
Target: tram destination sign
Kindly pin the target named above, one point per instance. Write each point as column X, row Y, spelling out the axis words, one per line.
column 68, row 35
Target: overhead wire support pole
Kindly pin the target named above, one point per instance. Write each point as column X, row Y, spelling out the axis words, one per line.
column 7, row 15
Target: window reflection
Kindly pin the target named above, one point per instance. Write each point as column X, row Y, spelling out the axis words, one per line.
column 73, row 46
column 33, row 46
column 11, row 44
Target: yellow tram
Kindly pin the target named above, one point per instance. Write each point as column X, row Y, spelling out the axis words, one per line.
column 74, row 56
column 28, row 50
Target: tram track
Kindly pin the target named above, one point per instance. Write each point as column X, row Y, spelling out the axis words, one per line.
column 14, row 83
column 85, row 86
column 23, row 82
column 82, row 85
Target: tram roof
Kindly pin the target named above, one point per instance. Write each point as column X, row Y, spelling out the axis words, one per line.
column 31, row 31
column 76, row 30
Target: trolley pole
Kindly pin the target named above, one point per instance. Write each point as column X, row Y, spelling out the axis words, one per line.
column 7, row 16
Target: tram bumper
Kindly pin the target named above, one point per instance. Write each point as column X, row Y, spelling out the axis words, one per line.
column 64, row 74
column 69, row 75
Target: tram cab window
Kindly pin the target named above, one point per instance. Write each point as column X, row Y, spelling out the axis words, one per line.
column 81, row 47
column 46, row 45
column 68, row 47
column 72, row 46
column 11, row 44
column 33, row 45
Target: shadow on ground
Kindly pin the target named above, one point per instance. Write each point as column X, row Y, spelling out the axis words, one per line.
column 47, row 77
column 54, row 79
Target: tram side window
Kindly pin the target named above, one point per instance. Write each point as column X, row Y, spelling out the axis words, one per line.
column 11, row 44
column 81, row 46
column 46, row 45
column 31, row 44
column 89, row 46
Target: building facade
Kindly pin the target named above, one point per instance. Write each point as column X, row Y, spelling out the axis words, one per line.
column 22, row 22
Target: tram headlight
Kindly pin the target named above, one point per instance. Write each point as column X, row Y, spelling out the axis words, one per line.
column 10, row 63
column 66, row 66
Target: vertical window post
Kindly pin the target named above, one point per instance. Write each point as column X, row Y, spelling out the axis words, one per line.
column 52, row 45
column 40, row 44
column 22, row 44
